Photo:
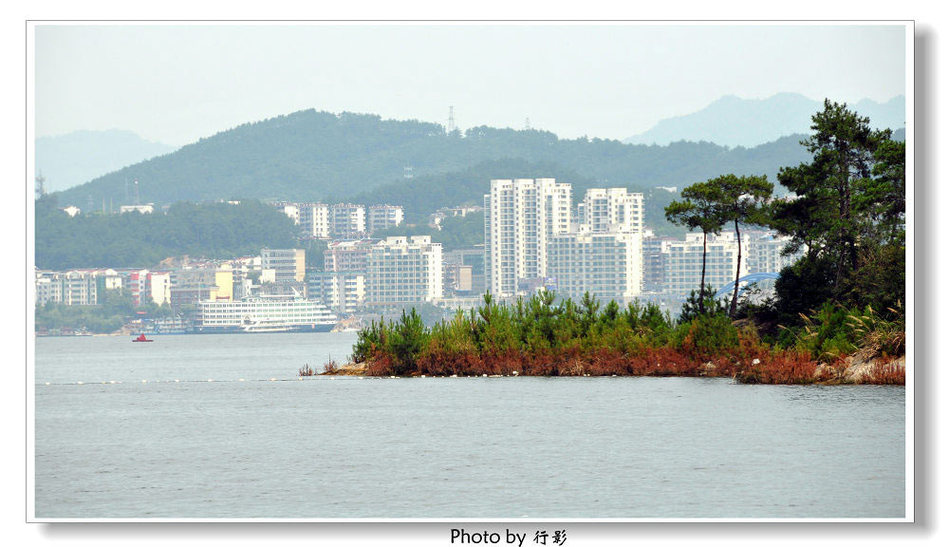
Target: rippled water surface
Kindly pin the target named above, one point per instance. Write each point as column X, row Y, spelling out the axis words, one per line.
column 220, row 426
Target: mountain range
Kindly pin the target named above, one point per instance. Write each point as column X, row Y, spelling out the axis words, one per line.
column 317, row 155
column 74, row 158
column 310, row 155
column 733, row 121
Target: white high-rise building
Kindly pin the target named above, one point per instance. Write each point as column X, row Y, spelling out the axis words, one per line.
column 608, row 265
column 520, row 217
column 611, row 210
column 402, row 270
column 312, row 218
column 315, row 219
column 684, row 262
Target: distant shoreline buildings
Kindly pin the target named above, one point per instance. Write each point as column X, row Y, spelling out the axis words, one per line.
column 534, row 238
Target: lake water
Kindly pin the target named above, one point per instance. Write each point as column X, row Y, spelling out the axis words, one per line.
column 220, row 426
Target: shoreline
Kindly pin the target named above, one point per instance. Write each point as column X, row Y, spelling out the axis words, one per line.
column 852, row 370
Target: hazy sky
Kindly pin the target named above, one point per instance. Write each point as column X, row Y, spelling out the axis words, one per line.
column 178, row 83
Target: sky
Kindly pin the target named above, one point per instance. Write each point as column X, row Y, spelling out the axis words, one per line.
column 178, row 83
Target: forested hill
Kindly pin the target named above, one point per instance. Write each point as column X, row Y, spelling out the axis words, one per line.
column 310, row 155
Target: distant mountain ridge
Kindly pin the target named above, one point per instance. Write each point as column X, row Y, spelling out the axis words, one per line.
column 311, row 155
column 733, row 121
column 78, row 157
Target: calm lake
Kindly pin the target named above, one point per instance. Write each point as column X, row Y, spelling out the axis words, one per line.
column 220, row 426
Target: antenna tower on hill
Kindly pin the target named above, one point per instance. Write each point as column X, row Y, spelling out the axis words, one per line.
column 40, row 185
column 451, row 119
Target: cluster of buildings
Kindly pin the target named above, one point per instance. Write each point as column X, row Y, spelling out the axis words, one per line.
column 393, row 272
column 534, row 238
column 341, row 220
column 275, row 272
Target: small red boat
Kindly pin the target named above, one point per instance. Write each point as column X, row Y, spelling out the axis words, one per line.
column 141, row 338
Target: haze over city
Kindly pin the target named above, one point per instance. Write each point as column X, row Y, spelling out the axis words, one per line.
column 178, row 83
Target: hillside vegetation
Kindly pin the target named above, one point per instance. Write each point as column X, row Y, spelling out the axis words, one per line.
column 133, row 240
column 310, row 155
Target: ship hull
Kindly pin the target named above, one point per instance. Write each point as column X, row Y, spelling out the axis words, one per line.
column 233, row 329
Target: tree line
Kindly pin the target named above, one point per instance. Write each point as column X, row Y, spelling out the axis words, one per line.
column 312, row 155
column 134, row 240
column 847, row 211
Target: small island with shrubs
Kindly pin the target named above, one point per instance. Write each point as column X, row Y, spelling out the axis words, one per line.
column 836, row 316
column 536, row 337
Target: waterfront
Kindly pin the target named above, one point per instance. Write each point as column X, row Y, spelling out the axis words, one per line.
column 219, row 426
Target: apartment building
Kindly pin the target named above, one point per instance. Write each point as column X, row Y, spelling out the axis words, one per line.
column 315, row 219
column 347, row 255
column 190, row 286
column 347, row 220
column 611, row 210
column 404, row 270
column 764, row 252
column 72, row 288
column 459, row 264
column 136, row 281
column 605, row 264
column 159, row 287
column 383, row 217
column 655, row 257
column 520, row 217
column 288, row 265
column 342, row 292
column 684, row 263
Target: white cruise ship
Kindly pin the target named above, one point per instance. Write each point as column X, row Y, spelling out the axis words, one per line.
column 264, row 314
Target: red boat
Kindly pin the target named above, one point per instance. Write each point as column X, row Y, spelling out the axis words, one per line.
column 141, row 338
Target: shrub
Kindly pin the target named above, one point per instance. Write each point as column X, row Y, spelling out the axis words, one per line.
column 706, row 336
column 887, row 373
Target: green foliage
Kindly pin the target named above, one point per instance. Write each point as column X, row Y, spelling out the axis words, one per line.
column 425, row 193
column 740, row 200
column 461, row 232
column 212, row 230
column 700, row 208
column 693, row 308
column 849, row 214
column 706, row 336
column 408, row 338
column 115, row 308
column 310, row 155
column 456, row 233
column 369, row 340
column 537, row 325
column 834, row 331
column 314, row 253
